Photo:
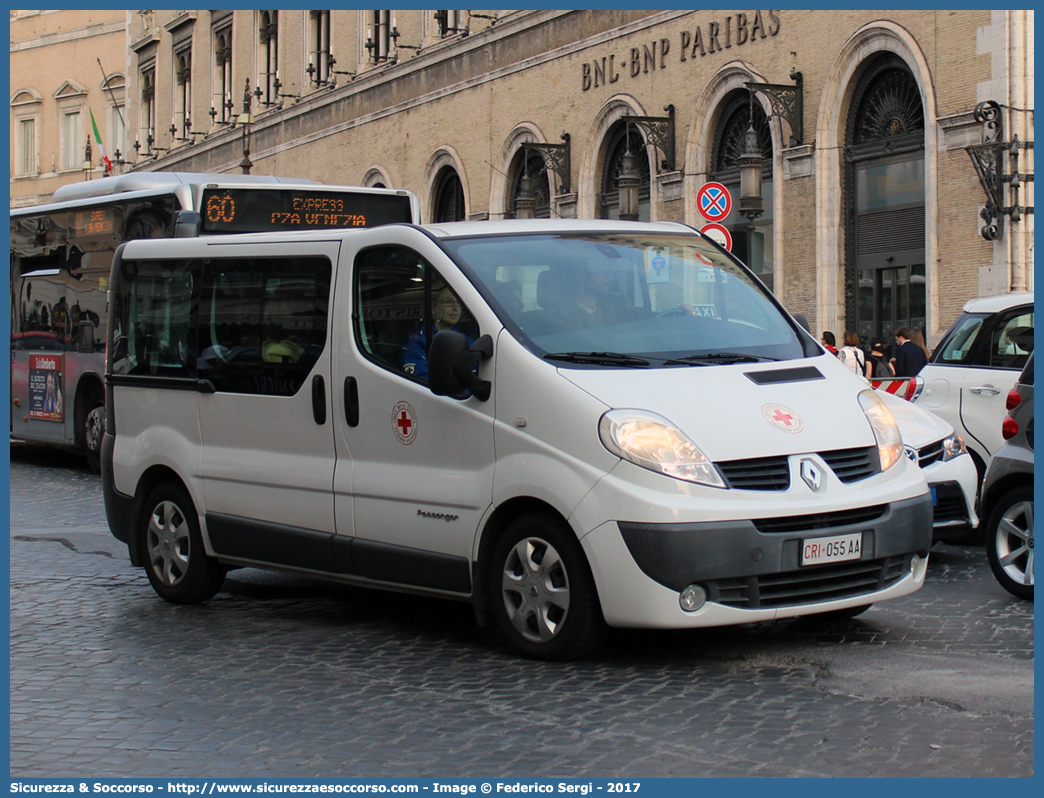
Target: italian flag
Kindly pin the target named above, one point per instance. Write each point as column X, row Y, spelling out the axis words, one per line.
column 101, row 147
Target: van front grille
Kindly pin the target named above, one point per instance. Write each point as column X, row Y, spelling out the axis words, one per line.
column 852, row 465
column 760, row 473
column 808, row 585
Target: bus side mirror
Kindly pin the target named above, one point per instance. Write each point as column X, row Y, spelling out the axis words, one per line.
column 187, row 224
column 453, row 365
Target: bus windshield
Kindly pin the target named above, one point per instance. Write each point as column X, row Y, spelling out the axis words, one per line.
column 661, row 299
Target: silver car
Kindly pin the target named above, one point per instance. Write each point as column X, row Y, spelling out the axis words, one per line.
column 1006, row 499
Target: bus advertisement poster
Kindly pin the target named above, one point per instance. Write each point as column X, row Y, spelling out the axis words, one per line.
column 45, row 387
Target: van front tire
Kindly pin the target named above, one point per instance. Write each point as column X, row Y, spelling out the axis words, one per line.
column 176, row 562
column 544, row 596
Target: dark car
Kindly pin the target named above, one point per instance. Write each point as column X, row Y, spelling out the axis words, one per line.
column 1006, row 499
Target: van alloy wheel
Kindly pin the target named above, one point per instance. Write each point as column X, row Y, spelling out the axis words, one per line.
column 178, row 566
column 168, row 543
column 543, row 594
column 536, row 590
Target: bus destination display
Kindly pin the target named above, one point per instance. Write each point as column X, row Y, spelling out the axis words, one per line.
column 262, row 210
column 95, row 221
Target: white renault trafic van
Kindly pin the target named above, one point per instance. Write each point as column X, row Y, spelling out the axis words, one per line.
column 571, row 424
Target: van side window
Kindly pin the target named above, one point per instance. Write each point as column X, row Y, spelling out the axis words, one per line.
column 401, row 301
column 262, row 323
column 154, row 334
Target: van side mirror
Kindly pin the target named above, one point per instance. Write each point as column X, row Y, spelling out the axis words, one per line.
column 187, row 224
column 800, row 319
column 452, row 365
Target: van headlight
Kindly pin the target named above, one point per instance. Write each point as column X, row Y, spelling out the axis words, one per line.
column 886, row 431
column 953, row 447
column 652, row 442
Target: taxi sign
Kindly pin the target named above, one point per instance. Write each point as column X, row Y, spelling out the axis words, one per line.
column 714, row 202
column 719, row 234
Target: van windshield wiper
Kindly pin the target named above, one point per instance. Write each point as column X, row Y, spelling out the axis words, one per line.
column 717, row 357
column 606, row 358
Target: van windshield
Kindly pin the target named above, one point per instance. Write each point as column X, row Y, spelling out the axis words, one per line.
column 629, row 299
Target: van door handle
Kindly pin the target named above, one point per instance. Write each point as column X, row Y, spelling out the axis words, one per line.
column 985, row 390
column 319, row 399
column 351, row 401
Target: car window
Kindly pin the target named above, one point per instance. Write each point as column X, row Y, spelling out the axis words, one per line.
column 957, row 348
column 1012, row 340
column 401, row 302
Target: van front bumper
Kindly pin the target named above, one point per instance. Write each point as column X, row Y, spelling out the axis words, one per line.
column 750, row 569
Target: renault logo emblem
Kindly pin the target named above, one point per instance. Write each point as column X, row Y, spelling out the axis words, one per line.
column 811, row 474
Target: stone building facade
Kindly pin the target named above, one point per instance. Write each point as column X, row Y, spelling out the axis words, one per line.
column 871, row 204
column 64, row 65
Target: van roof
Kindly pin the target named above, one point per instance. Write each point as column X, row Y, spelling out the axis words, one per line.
column 995, row 304
column 510, row 226
column 446, row 230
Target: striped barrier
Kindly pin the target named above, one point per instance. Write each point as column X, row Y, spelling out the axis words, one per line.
column 903, row 387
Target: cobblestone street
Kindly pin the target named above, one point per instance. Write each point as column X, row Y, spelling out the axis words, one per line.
column 285, row 676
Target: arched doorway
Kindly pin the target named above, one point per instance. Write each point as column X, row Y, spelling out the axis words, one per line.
column 884, row 203
column 620, row 138
column 755, row 247
column 449, row 197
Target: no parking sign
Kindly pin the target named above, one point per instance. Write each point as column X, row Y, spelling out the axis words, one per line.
column 714, row 202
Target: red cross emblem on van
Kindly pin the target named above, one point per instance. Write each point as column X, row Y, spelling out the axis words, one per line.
column 404, row 422
column 782, row 418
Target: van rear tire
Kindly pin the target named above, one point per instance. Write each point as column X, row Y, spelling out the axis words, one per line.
column 176, row 561
column 544, row 597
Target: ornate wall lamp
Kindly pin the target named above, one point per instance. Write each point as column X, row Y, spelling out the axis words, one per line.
column 988, row 160
column 788, row 102
column 628, row 182
column 659, row 131
column 556, row 159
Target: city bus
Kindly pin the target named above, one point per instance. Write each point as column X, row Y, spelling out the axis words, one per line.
column 61, row 258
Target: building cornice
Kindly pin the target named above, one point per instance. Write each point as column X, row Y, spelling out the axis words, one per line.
column 69, row 36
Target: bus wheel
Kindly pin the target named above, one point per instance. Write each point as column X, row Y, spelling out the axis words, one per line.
column 176, row 562
column 93, row 432
column 545, row 600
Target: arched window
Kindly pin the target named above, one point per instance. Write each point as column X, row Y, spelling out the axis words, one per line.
column 183, row 102
column 620, row 138
column 319, row 60
column 223, row 76
column 753, row 247
column 148, row 106
column 527, row 160
column 378, row 35
column 268, row 56
column 885, row 285
column 449, row 197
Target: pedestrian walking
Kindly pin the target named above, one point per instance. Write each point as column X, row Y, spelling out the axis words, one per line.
column 852, row 356
column 909, row 357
